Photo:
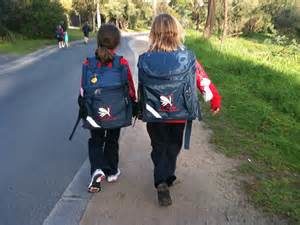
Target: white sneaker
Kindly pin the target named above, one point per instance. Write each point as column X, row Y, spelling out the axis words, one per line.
column 114, row 178
column 95, row 184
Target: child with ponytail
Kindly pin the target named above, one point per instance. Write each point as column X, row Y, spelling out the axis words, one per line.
column 106, row 70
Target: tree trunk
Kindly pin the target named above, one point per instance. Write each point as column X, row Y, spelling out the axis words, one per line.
column 94, row 22
column 98, row 16
column 154, row 6
column 210, row 18
column 198, row 4
column 198, row 23
column 79, row 18
column 225, row 24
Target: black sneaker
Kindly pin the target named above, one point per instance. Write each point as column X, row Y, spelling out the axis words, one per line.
column 163, row 195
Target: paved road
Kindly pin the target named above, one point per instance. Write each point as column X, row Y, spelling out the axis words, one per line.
column 37, row 112
column 4, row 58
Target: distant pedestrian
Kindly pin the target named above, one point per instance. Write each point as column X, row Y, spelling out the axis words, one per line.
column 86, row 31
column 107, row 95
column 66, row 37
column 168, row 76
column 63, row 25
column 59, row 34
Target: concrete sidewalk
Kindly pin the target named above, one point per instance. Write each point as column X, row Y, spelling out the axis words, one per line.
column 206, row 192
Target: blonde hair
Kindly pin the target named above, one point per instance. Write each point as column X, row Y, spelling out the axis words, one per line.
column 166, row 34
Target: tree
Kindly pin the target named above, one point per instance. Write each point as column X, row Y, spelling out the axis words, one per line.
column 154, row 5
column 5, row 12
column 210, row 20
column 225, row 23
column 144, row 13
column 114, row 11
column 67, row 4
column 86, row 9
column 189, row 12
column 98, row 15
column 128, row 13
column 197, row 12
column 31, row 18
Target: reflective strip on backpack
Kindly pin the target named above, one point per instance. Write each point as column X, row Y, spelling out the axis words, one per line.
column 155, row 113
column 92, row 122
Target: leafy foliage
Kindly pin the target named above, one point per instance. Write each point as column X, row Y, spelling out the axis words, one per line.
column 35, row 18
column 124, row 13
column 244, row 16
column 261, row 16
column 127, row 13
column 189, row 12
column 6, row 34
column 67, row 4
column 84, row 8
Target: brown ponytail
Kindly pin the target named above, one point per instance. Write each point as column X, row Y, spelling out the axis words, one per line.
column 108, row 38
column 104, row 55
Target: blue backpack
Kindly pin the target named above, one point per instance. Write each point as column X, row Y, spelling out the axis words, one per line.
column 106, row 95
column 167, row 88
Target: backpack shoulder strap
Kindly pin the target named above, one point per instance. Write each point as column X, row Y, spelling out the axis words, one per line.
column 187, row 134
column 92, row 62
column 191, row 56
column 140, row 60
column 85, row 66
column 117, row 61
column 117, row 64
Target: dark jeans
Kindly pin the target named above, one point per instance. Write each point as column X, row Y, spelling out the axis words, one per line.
column 166, row 141
column 104, row 150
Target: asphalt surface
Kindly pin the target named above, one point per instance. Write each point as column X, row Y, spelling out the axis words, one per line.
column 37, row 111
column 4, row 58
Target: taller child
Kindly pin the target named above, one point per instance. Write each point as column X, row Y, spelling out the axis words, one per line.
column 168, row 74
column 106, row 96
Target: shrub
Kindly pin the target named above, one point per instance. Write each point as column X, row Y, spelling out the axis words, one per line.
column 41, row 18
column 37, row 19
column 288, row 19
column 6, row 34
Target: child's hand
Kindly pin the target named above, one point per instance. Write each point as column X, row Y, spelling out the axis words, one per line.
column 216, row 111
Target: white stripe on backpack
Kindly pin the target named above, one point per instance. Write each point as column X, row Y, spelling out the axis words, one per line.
column 92, row 122
column 155, row 113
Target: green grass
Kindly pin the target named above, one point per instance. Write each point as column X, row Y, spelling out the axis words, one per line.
column 76, row 34
column 25, row 46
column 260, row 118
